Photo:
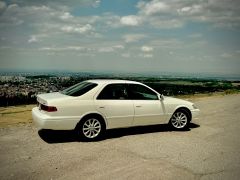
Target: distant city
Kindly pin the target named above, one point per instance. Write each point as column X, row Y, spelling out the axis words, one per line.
column 23, row 87
column 210, row 75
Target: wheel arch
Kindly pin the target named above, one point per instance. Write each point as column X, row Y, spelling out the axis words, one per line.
column 186, row 109
column 92, row 114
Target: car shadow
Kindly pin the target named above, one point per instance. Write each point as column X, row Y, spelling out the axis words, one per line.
column 116, row 133
column 57, row 136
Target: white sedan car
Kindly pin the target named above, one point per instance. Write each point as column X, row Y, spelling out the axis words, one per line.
column 90, row 107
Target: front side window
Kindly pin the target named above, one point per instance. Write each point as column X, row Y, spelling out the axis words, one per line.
column 140, row 92
column 113, row 91
column 79, row 89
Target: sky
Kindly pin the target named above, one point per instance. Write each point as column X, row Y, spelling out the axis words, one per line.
column 153, row 36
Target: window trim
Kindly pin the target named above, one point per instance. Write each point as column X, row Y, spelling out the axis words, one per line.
column 129, row 84
column 75, row 86
column 124, row 84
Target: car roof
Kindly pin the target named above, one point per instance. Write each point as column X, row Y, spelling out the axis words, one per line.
column 111, row 81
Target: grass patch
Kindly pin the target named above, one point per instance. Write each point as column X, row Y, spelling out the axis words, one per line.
column 15, row 115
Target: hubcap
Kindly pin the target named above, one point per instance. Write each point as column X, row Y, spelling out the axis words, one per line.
column 91, row 128
column 179, row 120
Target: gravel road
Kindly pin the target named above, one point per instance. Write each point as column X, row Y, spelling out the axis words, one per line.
column 209, row 150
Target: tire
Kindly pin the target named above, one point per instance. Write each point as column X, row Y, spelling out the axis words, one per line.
column 91, row 129
column 179, row 120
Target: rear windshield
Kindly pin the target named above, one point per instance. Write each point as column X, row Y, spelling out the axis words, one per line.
column 79, row 89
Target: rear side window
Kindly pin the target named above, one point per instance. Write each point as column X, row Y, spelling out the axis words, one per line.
column 113, row 91
column 140, row 92
column 79, row 89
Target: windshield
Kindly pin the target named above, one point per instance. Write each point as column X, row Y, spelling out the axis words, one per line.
column 79, row 89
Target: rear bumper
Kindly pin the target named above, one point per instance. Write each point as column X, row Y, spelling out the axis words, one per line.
column 44, row 121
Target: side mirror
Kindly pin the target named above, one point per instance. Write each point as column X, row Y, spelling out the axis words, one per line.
column 161, row 97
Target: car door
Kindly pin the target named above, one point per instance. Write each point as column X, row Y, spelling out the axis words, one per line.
column 149, row 109
column 114, row 104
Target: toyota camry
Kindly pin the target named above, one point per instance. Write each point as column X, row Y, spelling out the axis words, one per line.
column 93, row 106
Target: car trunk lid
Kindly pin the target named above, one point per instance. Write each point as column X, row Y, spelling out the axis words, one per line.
column 48, row 97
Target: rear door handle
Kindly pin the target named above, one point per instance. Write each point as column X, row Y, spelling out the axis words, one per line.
column 138, row 106
column 101, row 107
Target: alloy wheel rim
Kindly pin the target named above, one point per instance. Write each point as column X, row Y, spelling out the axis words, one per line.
column 179, row 120
column 91, row 128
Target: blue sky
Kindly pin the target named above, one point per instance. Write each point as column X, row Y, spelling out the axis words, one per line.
column 194, row 36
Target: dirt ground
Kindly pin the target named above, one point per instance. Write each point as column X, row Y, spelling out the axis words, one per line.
column 210, row 149
column 15, row 115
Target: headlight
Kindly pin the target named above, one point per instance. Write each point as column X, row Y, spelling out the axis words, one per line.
column 194, row 106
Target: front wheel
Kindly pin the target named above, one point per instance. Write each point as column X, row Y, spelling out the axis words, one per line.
column 90, row 129
column 179, row 120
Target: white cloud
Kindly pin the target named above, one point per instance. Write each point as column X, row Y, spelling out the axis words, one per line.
column 226, row 55
column 4, row 47
column 67, row 48
column 106, row 49
column 66, row 16
column 171, row 43
column 60, row 4
column 48, row 20
column 12, row 6
column 184, row 9
column 146, row 48
column 17, row 15
column 68, row 29
column 126, row 55
column 153, row 7
column 36, row 38
column 146, row 55
column 165, row 23
column 147, row 52
column 39, row 8
column 195, row 35
column 33, row 39
column 119, row 46
column 194, row 9
column 129, row 38
column 161, row 12
column 75, row 48
column 76, row 29
column 96, row 3
column 2, row 6
column 110, row 48
column 130, row 20
column 9, row 15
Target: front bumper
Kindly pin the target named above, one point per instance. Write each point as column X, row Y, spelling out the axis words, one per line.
column 45, row 121
column 195, row 113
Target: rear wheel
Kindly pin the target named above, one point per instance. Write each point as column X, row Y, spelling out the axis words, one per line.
column 179, row 120
column 91, row 128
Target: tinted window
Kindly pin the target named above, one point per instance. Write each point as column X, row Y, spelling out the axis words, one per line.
column 79, row 89
column 139, row 92
column 113, row 91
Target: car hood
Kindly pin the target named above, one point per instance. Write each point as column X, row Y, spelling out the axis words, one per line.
column 173, row 100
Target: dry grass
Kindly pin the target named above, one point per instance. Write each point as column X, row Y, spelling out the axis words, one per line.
column 14, row 115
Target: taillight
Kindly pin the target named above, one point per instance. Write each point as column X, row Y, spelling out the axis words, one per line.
column 48, row 108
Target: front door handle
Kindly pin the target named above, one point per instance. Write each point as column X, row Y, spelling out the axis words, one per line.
column 101, row 107
column 138, row 106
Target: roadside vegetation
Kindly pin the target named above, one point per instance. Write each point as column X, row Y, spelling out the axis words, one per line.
column 165, row 86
